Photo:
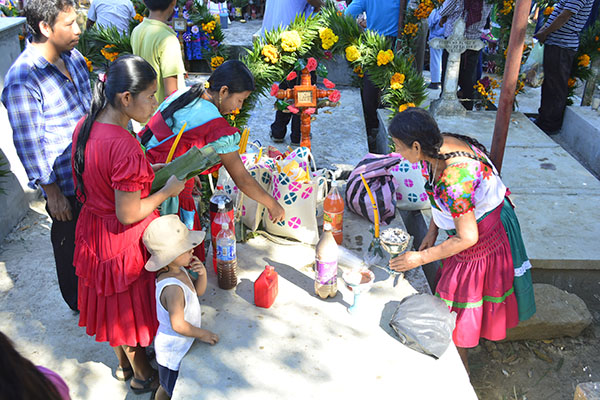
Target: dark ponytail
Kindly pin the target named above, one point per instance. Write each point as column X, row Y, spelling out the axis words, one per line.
column 19, row 378
column 233, row 73
column 417, row 125
column 127, row 73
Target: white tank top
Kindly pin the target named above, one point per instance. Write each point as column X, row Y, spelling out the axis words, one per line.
column 169, row 345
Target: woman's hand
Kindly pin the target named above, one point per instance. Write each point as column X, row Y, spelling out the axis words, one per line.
column 197, row 190
column 276, row 213
column 429, row 239
column 197, row 266
column 406, row 261
column 174, row 186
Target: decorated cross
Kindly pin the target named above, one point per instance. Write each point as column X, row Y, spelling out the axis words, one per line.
column 306, row 98
column 456, row 44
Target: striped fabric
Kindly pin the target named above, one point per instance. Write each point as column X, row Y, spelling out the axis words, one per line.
column 568, row 35
column 376, row 170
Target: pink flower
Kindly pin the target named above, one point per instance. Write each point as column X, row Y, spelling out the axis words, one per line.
column 311, row 64
column 335, row 96
column 328, row 55
column 293, row 109
column 274, row 89
column 310, row 111
column 291, row 76
column 328, row 84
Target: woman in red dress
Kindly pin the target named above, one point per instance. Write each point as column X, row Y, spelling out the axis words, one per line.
column 113, row 181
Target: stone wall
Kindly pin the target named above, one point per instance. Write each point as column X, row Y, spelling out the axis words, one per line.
column 14, row 202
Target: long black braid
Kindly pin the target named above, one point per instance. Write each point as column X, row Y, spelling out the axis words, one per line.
column 127, row 73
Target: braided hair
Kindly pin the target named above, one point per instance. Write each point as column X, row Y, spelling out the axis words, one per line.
column 127, row 73
column 417, row 125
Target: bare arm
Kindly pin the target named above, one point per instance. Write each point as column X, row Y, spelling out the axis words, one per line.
column 558, row 22
column 466, row 236
column 131, row 208
column 248, row 185
column 170, row 84
column 173, row 299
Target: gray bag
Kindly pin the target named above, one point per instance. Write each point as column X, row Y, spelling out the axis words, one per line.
column 424, row 323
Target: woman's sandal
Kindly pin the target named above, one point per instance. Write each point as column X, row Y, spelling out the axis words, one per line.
column 124, row 374
column 146, row 385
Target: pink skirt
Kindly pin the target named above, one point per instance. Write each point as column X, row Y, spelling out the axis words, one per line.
column 477, row 284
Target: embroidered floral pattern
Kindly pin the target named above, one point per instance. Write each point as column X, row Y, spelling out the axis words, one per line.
column 454, row 192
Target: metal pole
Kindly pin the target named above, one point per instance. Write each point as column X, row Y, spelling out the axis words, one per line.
column 509, row 81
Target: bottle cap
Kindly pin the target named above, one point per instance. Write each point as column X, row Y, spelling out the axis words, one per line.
column 219, row 187
column 221, row 205
column 224, row 226
column 269, row 268
column 326, row 226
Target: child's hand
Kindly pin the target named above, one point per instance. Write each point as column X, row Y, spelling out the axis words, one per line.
column 197, row 266
column 209, row 337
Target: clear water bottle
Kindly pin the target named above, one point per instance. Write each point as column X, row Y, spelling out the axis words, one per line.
column 226, row 258
column 326, row 264
column 215, row 226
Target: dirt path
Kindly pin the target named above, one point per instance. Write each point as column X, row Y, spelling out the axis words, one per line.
column 34, row 315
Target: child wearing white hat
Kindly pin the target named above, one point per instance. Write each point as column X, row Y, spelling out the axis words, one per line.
column 171, row 245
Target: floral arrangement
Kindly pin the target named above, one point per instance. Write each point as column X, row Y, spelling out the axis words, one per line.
column 280, row 53
column 485, row 91
column 412, row 24
column 589, row 46
column 588, row 53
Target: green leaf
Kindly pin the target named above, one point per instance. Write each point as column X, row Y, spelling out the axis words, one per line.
column 281, row 105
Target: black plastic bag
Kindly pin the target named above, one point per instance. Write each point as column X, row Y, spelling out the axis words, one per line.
column 424, row 323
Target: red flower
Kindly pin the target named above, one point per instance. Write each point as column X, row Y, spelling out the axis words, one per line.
column 311, row 64
column 328, row 84
column 328, row 55
column 293, row 109
column 310, row 111
column 291, row 76
column 274, row 89
column 335, row 96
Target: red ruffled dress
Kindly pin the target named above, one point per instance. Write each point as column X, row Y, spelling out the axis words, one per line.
column 116, row 294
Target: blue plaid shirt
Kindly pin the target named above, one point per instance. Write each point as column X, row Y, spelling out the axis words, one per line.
column 43, row 108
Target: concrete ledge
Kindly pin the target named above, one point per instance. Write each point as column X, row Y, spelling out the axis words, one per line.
column 580, row 136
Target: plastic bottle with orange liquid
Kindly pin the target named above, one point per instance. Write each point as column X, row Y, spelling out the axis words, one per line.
column 333, row 212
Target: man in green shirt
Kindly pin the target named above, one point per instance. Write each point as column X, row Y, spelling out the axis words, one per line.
column 157, row 43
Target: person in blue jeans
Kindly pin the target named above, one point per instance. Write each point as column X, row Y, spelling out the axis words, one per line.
column 435, row 55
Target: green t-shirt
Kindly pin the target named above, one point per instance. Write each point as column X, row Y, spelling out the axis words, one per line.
column 157, row 43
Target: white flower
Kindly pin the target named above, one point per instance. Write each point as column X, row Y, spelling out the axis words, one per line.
column 195, row 29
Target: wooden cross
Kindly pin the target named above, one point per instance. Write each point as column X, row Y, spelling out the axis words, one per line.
column 455, row 45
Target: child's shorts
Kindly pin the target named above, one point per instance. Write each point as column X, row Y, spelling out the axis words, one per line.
column 167, row 378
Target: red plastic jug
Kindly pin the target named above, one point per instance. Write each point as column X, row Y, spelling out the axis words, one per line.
column 265, row 288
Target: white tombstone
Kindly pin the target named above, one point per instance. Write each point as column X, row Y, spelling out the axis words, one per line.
column 455, row 45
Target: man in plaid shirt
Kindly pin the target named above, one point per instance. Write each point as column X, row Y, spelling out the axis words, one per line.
column 46, row 91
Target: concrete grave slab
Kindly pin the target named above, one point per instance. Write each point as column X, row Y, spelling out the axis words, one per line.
column 304, row 347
